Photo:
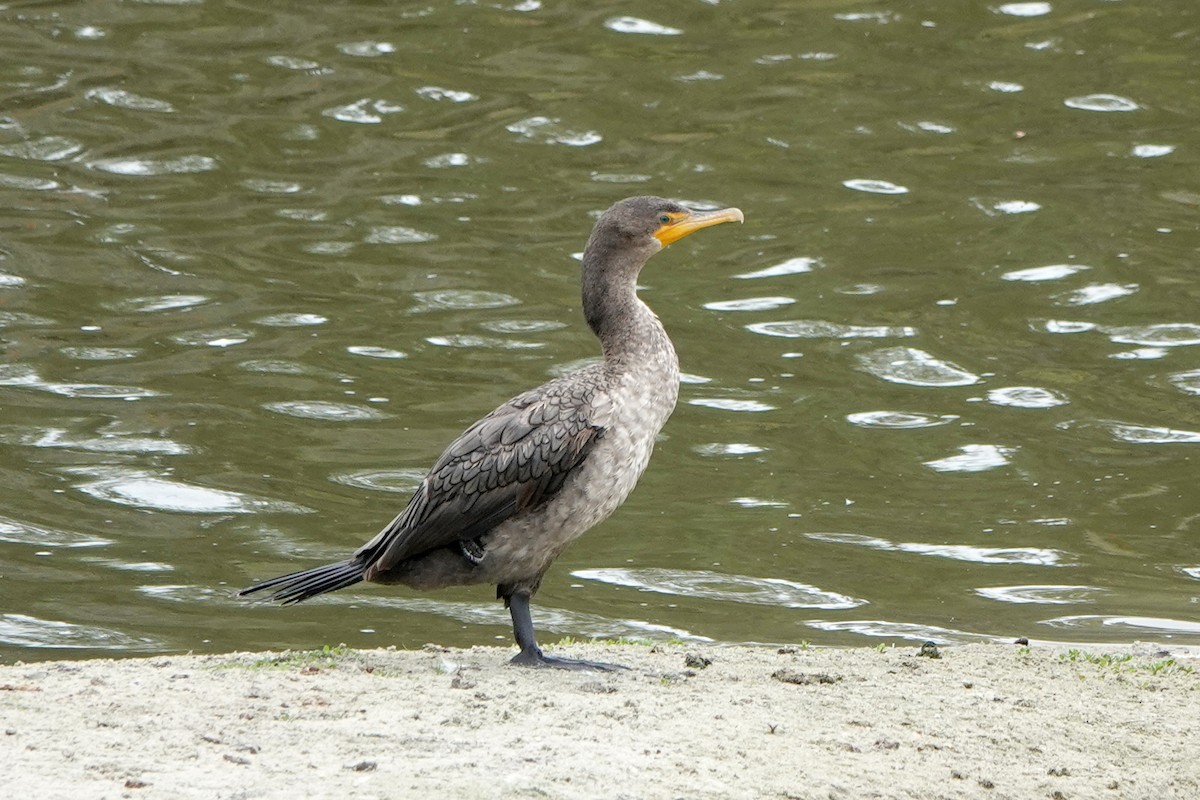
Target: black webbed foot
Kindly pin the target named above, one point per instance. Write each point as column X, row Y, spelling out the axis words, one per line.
column 531, row 655
column 537, row 659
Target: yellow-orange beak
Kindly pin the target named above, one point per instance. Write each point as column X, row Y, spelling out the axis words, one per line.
column 681, row 224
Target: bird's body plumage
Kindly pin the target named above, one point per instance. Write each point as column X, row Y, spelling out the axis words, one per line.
column 513, row 490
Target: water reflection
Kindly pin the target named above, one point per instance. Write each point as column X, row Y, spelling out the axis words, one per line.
column 25, row 377
column 403, row 481
column 397, row 234
column 1174, row 334
column 223, row 337
column 131, row 566
column 974, row 458
column 46, row 148
column 521, row 325
column 1187, row 382
column 325, row 410
column 881, row 17
column 636, row 25
column 1137, row 626
column 1095, row 293
column 15, row 531
column 1051, row 272
column 291, row 320
column 874, row 186
column 1152, row 150
column 265, row 186
column 1033, row 556
column 140, row 167
column 120, row 98
column 365, row 111
column 729, row 449
column 899, row 419
column 183, row 593
column 821, row 329
column 274, row 366
column 486, row 342
column 1150, row 434
column 550, row 130
column 1135, row 434
column 1045, row 594
column 750, row 304
column 793, row 266
column 367, row 49
column 731, row 404
column 100, row 353
column 449, row 95
column 23, row 630
column 1101, row 102
column 141, row 489
column 916, row 367
column 13, row 319
column 1028, row 9
column 372, row 351
column 706, row 585
column 757, row 502
column 448, row 160
column 110, row 441
column 1064, row 326
column 1025, row 397
column 908, row 631
column 28, row 184
column 458, row 299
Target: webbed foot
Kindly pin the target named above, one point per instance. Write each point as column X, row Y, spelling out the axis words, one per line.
column 537, row 659
column 531, row 655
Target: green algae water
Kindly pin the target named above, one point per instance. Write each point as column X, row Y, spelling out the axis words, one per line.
column 258, row 265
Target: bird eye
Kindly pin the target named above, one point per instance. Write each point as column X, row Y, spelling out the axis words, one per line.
column 664, row 218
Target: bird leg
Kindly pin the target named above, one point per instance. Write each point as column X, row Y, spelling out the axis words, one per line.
column 531, row 655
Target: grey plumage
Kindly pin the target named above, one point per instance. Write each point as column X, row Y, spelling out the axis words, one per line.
column 515, row 488
column 514, row 459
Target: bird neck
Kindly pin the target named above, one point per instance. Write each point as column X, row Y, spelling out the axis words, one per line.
column 626, row 327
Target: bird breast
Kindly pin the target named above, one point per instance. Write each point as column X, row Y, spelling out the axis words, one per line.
column 642, row 397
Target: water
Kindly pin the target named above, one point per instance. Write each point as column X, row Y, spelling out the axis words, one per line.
column 257, row 266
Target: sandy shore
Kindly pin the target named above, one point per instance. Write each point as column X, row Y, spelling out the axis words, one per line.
column 980, row 721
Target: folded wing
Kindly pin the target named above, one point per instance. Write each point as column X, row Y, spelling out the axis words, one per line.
column 509, row 462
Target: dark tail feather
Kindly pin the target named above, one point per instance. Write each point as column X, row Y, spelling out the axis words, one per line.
column 299, row 586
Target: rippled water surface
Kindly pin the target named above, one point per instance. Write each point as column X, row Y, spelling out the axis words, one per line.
column 259, row 262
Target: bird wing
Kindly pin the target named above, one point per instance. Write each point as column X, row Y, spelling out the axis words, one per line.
column 512, row 460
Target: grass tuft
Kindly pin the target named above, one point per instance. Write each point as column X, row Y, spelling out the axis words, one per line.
column 325, row 658
column 1124, row 663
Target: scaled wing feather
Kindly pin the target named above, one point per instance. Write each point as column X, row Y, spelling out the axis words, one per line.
column 511, row 461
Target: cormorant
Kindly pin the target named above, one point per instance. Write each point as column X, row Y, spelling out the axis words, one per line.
column 510, row 493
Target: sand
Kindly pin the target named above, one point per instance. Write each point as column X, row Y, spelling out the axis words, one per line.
column 986, row 721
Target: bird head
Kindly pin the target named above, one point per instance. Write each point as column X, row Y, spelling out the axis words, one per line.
column 645, row 225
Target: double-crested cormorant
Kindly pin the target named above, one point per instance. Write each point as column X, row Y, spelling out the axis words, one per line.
column 510, row 493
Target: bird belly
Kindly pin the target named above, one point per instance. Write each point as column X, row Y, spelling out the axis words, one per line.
column 523, row 547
